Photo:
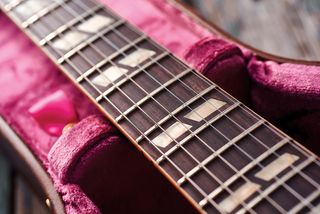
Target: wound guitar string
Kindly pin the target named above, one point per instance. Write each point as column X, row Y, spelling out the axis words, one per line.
column 207, row 198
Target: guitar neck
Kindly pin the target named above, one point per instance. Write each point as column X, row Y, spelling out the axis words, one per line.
column 218, row 153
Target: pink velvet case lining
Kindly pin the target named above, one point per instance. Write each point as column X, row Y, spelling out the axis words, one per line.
column 100, row 171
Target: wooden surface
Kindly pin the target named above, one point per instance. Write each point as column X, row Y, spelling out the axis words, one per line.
column 235, row 143
column 292, row 31
column 289, row 28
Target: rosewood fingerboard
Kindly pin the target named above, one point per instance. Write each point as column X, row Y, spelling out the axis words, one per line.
column 219, row 154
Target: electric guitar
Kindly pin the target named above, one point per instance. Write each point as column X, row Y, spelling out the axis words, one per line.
column 220, row 155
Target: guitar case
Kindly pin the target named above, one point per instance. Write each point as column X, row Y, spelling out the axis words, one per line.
column 91, row 167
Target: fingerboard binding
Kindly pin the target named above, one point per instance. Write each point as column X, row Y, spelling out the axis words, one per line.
column 207, row 144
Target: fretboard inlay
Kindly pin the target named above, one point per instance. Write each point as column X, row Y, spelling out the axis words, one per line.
column 225, row 157
column 94, row 24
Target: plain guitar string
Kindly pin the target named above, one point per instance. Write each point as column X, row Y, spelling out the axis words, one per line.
column 178, row 79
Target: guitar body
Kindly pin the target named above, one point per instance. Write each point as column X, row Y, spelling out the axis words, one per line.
column 102, row 165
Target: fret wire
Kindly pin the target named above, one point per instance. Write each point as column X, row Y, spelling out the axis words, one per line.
column 247, row 168
column 66, row 26
column 179, row 109
column 98, row 35
column 8, row 7
column 182, row 148
column 154, row 92
column 169, row 135
column 39, row 14
column 267, row 148
column 293, row 191
column 197, row 131
column 131, row 75
column 223, row 148
column 173, row 164
column 102, row 62
column 248, row 111
column 294, row 144
column 280, row 182
column 195, row 185
column 310, row 198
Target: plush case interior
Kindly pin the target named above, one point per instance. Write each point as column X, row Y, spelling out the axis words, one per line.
column 93, row 167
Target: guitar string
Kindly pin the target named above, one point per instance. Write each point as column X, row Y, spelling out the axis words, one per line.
column 301, row 150
column 286, row 186
column 179, row 170
column 129, row 41
column 268, row 148
column 209, row 147
column 198, row 164
column 182, row 148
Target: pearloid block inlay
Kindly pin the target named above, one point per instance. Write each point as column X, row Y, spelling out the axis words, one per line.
column 108, row 76
column 32, row 6
column 205, row 109
column 137, row 57
column 69, row 40
column 276, row 166
column 239, row 196
column 170, row 134
column 95, row 23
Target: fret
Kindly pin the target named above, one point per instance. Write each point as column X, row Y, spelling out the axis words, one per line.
column 109, row 58
column 276, row 185
column 221, row 150
column 169, row 100
column 312, row 172
column 85, row 65
column 242, row 171
column 308, row 200
column 12, row 4
column 38, row 15
column 162, row 87
column 121, row 82
column 71, row 23
column 176, row 111
column 29, row 9
column 113, row 56
column 174, row 148
column 95, row 37
column 216, row 140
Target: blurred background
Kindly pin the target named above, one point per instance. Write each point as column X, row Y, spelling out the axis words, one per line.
column 289, row 28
